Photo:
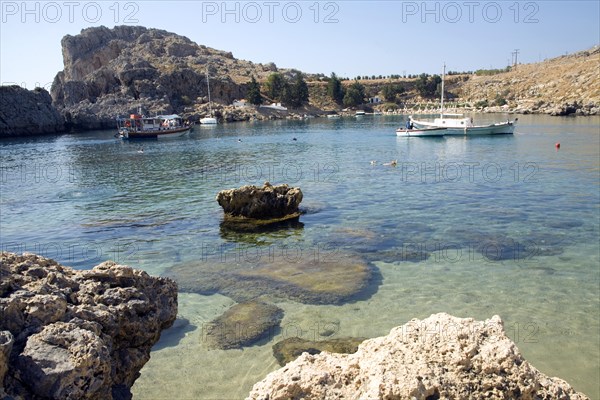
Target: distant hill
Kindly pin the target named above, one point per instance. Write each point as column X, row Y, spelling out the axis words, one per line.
column 558, row 86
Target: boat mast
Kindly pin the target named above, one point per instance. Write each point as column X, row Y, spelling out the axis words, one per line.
column 442, row 95
column 208, row 88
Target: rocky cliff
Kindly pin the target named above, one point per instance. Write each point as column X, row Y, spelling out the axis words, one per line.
column 110, row 72
column 67, row 334
column 439, row 357
column 27, row 112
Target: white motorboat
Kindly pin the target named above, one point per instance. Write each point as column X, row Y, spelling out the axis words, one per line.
column 458, row 124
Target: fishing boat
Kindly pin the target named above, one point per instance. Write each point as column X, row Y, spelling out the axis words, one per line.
column 138, row 126
column 458, row 124
column 427, row 132
column 210, row 120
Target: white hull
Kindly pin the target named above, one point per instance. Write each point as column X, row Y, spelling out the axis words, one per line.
column 165, row 134
column 492, row 129
column 430, row 132
column 208, row 121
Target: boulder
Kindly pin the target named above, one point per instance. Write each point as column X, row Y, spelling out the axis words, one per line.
column 439, row 357
column 78, row 334
column 266, row 203
column 243, row 325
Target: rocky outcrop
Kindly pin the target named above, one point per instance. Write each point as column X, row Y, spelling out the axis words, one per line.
column 110, row 72
column 78, row 334
column 439, row 357
column 268, row 202
column 28, row 112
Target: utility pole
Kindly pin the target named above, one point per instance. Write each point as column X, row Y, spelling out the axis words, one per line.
column 516, row 54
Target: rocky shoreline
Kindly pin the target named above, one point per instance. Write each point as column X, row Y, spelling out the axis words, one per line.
column 438, row 357
column 69, row 334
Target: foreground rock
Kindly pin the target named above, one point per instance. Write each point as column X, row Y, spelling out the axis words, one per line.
column 465, row 359
column 78, row 334
column 243, row 325
column 28, row 112
column 333, row 279
column 266, row 203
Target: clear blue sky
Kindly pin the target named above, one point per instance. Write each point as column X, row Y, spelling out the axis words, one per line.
column 347, row 37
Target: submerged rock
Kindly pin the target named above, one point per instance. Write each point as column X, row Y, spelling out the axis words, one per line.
column 289, row 349
column 78, row 334
column 243, row 325
column 333, row 278
column 439, row 357
column 266, row 203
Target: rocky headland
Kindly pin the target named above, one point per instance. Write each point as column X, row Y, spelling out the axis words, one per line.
column 68, row 334
column 28, row 112
column 438, row 357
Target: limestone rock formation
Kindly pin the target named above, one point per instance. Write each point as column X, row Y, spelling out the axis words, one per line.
column 268, row 202
column 28, row 112
column 243, row 325
column 439, row 357
column 78, row 334
column 110, row 72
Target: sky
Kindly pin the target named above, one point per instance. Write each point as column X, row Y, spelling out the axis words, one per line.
column 349, row 38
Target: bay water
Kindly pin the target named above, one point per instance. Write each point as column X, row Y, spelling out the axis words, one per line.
column 505, row 225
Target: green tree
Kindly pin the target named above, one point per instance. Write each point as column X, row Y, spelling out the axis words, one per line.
column 275, row 85
column 391, row 91
column 253, row 96
column 299, row 90
column 335, row 89
column 427, row 85
column 355, row 95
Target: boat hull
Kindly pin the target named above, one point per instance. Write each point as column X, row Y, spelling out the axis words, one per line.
column 504, row 128
column 208, row 121
column 164, row 134
column 427, row 132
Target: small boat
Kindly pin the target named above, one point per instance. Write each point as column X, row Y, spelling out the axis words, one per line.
column 138, row 126
column 427, row 132
column 333, row 116
column 359, row 113
column 458, row 124
column 210, row 120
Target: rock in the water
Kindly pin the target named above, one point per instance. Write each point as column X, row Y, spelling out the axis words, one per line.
column 28, row 112
column 78, row 334
column 304, row 279
column 266, row 203
column 243, row 325
column 439, row 357
column 291, row 348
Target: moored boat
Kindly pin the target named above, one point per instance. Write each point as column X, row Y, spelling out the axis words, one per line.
column 458, row 124
column 138, row 126
column 210, row 120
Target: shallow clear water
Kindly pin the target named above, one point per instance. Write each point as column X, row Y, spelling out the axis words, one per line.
column 86, row 198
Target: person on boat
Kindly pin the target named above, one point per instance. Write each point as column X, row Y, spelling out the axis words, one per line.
column 409, row 124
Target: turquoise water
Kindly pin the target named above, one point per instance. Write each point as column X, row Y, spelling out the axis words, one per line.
column 510, row 225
